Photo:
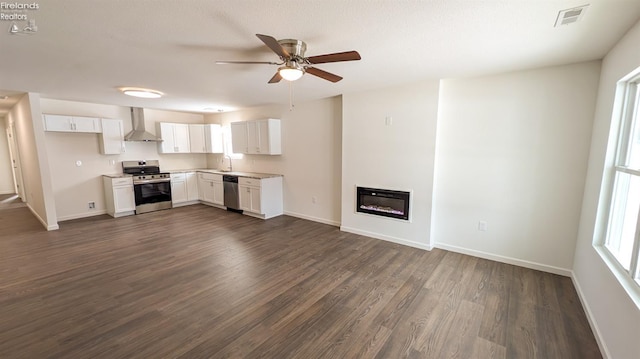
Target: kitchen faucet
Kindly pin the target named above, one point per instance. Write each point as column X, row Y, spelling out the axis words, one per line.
column 230, row 164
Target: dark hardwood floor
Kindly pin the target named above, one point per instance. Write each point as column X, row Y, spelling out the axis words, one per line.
column 199, row 282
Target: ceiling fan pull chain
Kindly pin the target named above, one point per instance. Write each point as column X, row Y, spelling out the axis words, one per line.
column 290, row 95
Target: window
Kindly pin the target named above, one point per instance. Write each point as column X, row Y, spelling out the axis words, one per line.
column 622, row 240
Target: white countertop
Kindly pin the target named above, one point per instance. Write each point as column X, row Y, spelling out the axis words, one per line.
column 232, row 173
column 118, row 175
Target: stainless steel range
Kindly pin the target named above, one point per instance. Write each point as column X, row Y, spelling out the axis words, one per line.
column 152, row 188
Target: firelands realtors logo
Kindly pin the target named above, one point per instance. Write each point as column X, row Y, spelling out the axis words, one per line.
column 18, row 14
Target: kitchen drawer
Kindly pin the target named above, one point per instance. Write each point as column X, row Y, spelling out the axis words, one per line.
column 178, row 176
column 210, row 176
column 126, row 181
column 244, row 181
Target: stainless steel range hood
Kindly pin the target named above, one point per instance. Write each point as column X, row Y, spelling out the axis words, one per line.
column 139, row 133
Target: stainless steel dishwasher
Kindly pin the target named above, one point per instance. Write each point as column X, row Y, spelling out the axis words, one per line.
column 231, row 198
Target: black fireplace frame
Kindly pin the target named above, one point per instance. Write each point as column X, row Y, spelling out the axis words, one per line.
column 405, row 196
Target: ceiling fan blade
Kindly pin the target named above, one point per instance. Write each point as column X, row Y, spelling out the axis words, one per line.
column 273, row 44
column 336, row 57
column 246, row 62
column 276, row 78
column 323, row 74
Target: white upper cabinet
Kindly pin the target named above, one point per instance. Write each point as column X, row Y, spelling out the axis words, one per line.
column 62, row 123
column 197, row 138
column 112, row 138
column 181, row 138
column 239, row 137
column 258, row 137
column 189, row 138
column 165, row 132
column 205, row 138
column 213, row 138
column 175, row 138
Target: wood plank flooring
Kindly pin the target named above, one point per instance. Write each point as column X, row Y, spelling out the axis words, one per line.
column 199, row 282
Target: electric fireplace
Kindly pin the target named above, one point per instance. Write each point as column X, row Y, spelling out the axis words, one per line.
column 383, row 202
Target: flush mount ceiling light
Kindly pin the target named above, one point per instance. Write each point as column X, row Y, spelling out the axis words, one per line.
column 141, row 92
column 290, row 73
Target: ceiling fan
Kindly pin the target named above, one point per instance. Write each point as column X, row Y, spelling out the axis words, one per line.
column 293, row 62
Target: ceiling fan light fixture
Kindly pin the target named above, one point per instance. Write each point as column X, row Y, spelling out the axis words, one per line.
column 141, row 92
column 290, row 73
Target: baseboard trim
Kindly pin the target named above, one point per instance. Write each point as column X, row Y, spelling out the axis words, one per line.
column 509, row 260
column 590, row 318
column 397, row 240
column 212, row 205
column 82, row 215
column 186, row 203
column 313, row 219
column 49, row 227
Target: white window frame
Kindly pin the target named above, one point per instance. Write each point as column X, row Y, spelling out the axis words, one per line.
column 626, row 111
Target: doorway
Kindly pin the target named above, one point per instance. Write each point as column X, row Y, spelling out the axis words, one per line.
column 14, row 159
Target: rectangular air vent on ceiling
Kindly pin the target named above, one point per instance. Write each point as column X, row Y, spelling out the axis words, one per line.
column 570, row 16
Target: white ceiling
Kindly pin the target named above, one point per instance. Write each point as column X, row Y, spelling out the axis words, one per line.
column 84, row 50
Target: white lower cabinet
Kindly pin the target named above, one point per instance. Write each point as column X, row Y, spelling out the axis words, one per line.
column 261, row 198
column 119, row 196
column 211, row 188
column 184, row 188
column 192, row 186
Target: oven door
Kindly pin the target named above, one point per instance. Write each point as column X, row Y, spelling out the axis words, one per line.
column 152, row 195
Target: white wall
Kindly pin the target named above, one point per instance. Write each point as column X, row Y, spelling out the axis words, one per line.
column 512, row 151
column 310, row 160
column 612, row 312
column 397, row 157
column 74, row 187
column 34, row 158
column 6, row 177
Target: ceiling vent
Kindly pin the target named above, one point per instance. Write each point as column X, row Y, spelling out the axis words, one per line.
column 570, row 16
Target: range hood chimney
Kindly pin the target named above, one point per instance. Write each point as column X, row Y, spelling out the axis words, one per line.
column 139, row 133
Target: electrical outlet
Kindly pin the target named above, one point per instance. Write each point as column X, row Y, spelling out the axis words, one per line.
column 92, row 205
column 482, row 226
column 314, row 199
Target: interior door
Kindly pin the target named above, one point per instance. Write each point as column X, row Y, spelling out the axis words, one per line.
column 15, row 162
